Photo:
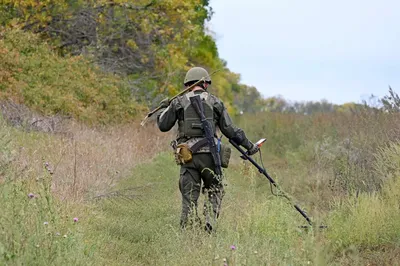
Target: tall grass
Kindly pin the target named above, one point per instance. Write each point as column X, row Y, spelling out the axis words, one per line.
column 140, row 225
column 342, row 169
column 36, row 228
column 45, row 180
column 367, row 223
column 337, row 146
column 86, row 161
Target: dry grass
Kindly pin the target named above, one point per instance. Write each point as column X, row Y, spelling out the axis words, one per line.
column 87, row 161
column 319, row 160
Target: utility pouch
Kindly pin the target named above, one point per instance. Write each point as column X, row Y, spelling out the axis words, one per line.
column 225, row 154
column 183, row 154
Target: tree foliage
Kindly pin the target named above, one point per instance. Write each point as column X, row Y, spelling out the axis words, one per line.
column 152, row 42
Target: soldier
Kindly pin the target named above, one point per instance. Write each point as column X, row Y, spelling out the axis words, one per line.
column 199, row 164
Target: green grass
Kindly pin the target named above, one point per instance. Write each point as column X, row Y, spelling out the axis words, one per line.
column 140, row 224
column 145, row 229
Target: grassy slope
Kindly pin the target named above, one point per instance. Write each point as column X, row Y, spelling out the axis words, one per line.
column 33, row 74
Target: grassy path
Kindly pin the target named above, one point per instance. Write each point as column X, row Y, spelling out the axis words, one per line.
column 140, row 227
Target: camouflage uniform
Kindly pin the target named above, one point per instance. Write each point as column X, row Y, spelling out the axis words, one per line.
column 202, row 166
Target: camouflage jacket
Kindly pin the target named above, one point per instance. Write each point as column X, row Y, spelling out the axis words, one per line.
column 222, row 121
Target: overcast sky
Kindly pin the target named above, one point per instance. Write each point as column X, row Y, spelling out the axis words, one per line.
column 342, row 50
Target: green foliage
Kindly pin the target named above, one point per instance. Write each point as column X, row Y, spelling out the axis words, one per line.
column 32, row 74
column 248, row 99
column 152, row 42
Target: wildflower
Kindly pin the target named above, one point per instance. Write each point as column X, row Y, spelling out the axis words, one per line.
column 75, row 219
column 31, row 195
column 225, row 264
column 46, row 223
column 224, row 260
column 233, row 247
column 57, row 234
column 65, row 236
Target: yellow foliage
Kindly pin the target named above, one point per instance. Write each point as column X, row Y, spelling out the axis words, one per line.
column 165, row 37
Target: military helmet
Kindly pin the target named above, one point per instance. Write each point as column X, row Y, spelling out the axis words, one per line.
column 195, row 74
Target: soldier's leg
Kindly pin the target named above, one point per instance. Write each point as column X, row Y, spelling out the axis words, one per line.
column 214, row 193
column 213, row 188
column 189, row 185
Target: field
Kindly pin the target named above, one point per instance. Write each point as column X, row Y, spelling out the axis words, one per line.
column 121, row 185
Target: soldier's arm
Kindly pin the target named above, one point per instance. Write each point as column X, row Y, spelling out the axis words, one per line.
column 167, row 119
column 228, row 128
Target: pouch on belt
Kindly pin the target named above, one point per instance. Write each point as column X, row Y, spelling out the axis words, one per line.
column 225, row 154
column 183, row 154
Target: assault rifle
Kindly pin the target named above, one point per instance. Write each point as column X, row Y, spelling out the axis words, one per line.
column 197, row 104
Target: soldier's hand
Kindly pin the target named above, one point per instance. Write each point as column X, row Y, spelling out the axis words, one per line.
column 253, row 150
column 164, row 103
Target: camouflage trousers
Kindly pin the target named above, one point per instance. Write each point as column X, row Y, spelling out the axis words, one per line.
column 192, row 175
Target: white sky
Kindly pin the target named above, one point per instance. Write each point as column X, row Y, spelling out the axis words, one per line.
column 311, row 49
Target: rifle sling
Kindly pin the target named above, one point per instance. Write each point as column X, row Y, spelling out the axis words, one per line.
column 209, row 136
column 198, row 145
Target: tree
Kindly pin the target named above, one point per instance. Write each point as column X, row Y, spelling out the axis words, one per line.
column 150, row 42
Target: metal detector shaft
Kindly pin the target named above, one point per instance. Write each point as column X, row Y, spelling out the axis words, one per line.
column 262, row 171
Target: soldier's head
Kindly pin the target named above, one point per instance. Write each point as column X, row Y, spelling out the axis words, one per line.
column 194, row 75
